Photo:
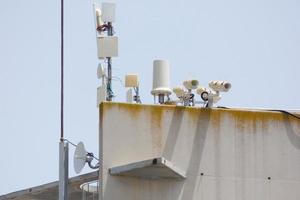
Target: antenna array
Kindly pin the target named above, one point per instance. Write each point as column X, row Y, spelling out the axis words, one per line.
column 107, row 46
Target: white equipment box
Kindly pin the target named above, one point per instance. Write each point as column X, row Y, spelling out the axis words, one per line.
column 107, row 46
column 108, row 12
column 131, row 80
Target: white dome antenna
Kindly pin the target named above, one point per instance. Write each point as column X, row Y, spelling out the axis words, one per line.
column 161, row 80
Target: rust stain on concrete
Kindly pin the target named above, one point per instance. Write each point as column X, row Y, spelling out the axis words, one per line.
column 133, row 109
column 215, row 120
column 244, row 119
column 156, row 127
column 156, row 118
column 254, row 120
column 193, row 113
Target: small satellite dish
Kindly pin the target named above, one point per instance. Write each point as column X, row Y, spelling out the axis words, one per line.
column 80, row 157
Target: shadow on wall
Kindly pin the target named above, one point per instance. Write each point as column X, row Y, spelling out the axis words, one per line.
column 166, row 189
column 189, row 185
column 173, row 132
column 293, row 136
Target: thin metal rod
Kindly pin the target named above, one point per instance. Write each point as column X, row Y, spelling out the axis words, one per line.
column 68, row 141
column 63, row 147
column 62, row 72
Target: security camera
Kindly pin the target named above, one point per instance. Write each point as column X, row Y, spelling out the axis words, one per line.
column 179, row 91
column 220, row 86
column 200, row 90
column 191, row 84
column 204, row 92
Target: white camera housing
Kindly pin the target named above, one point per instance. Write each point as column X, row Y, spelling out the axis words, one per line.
column 191, row 84
column 200, row 90
column 220, row 86
column 204, row 92
column 179, row 91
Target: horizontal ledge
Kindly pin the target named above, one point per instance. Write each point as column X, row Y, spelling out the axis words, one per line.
column 156, row 168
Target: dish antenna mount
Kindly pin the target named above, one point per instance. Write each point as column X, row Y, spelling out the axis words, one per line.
column 81, row 156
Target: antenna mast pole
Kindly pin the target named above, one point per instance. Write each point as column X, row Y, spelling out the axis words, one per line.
column 62, row 73
column 63, row 146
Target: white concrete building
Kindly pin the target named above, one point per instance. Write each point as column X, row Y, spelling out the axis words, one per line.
column 155, row 152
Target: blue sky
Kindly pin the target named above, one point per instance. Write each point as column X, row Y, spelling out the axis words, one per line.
column 253, row 44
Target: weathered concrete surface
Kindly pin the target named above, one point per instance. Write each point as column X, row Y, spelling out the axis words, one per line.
column 227, row 154
column 50, row 191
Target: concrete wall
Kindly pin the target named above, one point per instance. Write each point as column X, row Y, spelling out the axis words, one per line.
column 227, row 154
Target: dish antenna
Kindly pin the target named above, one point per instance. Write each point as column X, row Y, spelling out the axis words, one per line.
column 81, row 156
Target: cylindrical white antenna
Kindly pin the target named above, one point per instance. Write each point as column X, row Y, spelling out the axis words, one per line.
column 161, row 79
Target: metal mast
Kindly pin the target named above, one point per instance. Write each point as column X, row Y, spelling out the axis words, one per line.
column 63, row 146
